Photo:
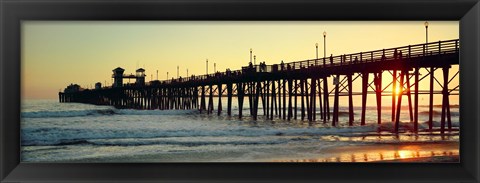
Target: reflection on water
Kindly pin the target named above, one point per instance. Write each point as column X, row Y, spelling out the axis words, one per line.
column 406, row 153
column 385, row 137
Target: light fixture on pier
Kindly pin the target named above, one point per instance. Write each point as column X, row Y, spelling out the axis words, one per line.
column 426, row 35
column 251, row 55
column 316, row 50
column 324, row 44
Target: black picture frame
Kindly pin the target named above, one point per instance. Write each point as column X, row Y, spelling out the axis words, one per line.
column 13, row 12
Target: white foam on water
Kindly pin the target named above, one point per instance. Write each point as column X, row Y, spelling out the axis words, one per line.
column 66, row 135
column 67, row 132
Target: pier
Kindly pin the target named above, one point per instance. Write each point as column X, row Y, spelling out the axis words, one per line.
column 281, row 89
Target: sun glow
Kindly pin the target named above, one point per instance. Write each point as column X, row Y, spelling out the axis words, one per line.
column 397, row 90
column 405, row 154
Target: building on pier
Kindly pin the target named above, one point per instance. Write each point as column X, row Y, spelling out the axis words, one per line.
column 98, row 86
column 140, row 77
column 72, row 88
column 118, row 77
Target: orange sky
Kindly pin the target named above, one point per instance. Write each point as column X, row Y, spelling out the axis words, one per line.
column 57, row 53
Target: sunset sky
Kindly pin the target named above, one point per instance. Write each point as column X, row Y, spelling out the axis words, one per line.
column 57, row 53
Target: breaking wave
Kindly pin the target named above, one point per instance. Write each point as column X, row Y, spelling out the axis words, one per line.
column 71, row 136
column 99, row 112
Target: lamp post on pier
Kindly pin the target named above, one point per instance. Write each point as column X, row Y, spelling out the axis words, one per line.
column 426, row 36
column 251, row 55
column 324, row 44
column 316, row 50
column 177, row 71
column 167, row 75
column 207, row 66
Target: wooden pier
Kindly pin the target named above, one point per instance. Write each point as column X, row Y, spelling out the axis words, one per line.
column 278, row 87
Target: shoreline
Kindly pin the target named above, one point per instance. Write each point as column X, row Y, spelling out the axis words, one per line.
column 443, row 152
column 432, row 159
column 438, row 152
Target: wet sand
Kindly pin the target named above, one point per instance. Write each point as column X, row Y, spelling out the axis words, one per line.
column 422, row 152
column 433, row 159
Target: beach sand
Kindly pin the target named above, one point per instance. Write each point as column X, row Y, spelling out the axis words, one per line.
column 422, row 152
column 402, row 152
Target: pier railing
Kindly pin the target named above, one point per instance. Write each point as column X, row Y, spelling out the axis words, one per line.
column 391, row 54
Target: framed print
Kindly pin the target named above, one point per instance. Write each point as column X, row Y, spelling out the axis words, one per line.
column 253, row 91
column 239, row 107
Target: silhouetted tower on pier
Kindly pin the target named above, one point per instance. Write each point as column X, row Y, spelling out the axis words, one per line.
column 98, row 86
column 118, row 77
column 140, row 77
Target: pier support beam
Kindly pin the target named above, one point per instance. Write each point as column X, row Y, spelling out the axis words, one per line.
column 394, row 89
column 399, row 105
column 279, row 99
column 274, row 100
column 284, row 86
column 240, row 94
column 265, row 99
column 266, row 93
column 250, row 90
column 445, row 101
column 307, row 101
column 350, row 101
column 320, row 97
column 415, row 115
column 210, row 100
column 302, row 92
column 256, row 99
column 220, row 91
column 409, row 95
column 313, row 86
column 296, row 96
column 202, row 100
column 430, row 106
column 378, row 92
column 326, row 104
column 335, row 101
column 364, row 96
column 229, row 98
column 290, row 93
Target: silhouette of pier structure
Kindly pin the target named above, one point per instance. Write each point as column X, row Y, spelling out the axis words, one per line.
column 282, row 89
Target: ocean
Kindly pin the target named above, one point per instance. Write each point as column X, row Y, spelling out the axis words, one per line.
column 74, row 132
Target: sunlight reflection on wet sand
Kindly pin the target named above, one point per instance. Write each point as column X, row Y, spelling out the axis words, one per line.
column 375, row 157
column 390, row 153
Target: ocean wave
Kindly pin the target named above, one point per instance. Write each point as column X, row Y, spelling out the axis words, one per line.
column 438, row 113
column 160, row 141
column 155, row 112
column 99, row 112
column 389, row 126
column 71, row 113
column 66, row 136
